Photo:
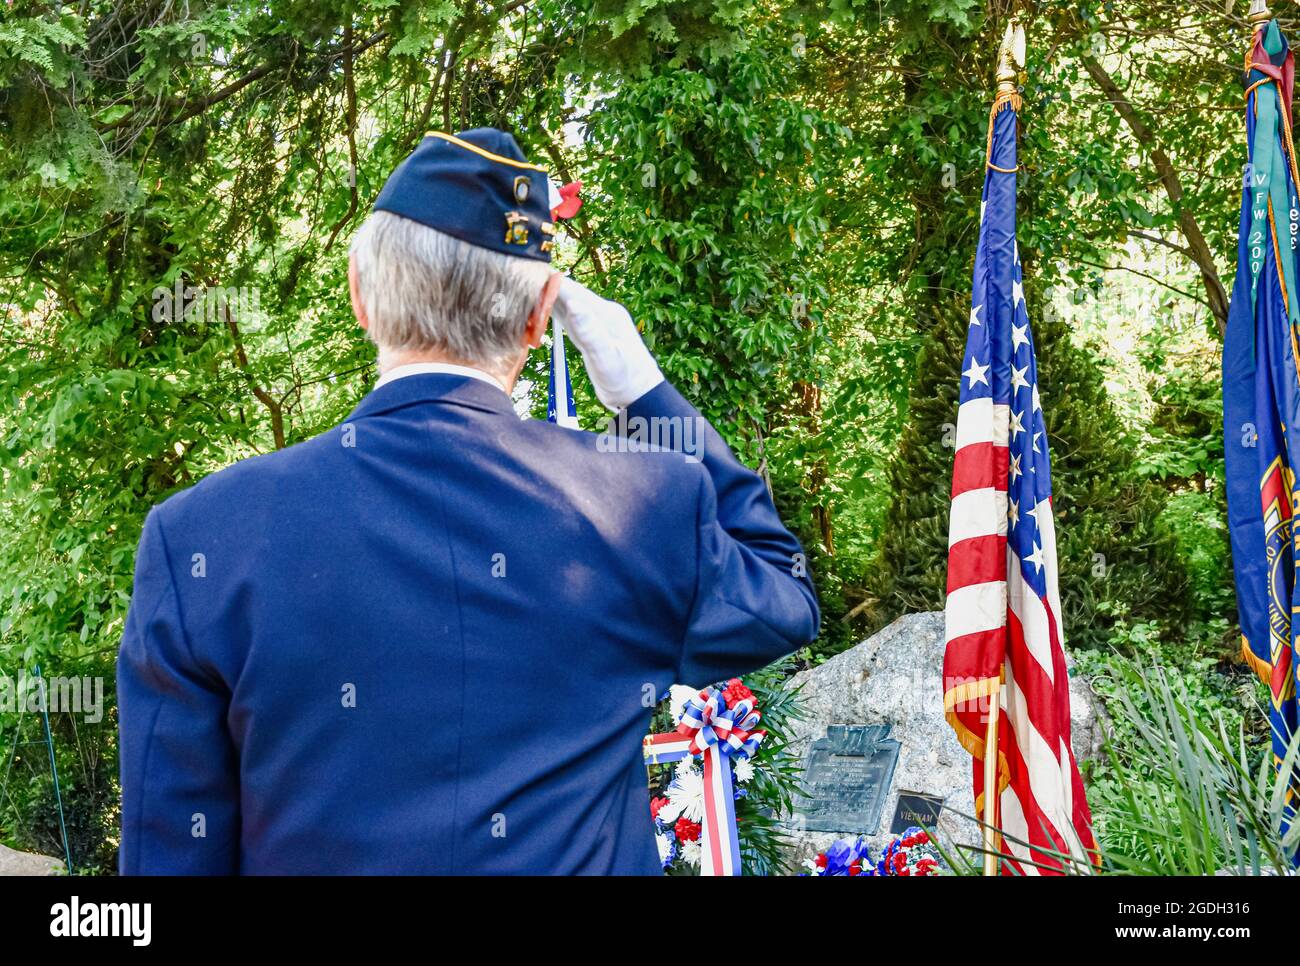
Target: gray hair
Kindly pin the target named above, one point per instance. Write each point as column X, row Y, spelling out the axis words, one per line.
column 422, row 289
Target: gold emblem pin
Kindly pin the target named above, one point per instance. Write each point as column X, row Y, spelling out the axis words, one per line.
column 516, row 228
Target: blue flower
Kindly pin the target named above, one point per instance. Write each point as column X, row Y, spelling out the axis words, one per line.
column 843, row 855
column 667, row 844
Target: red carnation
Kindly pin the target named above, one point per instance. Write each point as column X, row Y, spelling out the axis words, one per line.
column 923, row 837
column 900, row 860
column 821, row 860
column 908, row 842
column 570, row 203
column 736, row 691
column 686, row 830
column 655, row 805
column 855, row 867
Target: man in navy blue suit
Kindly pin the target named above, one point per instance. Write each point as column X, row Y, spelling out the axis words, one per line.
column 429, row 640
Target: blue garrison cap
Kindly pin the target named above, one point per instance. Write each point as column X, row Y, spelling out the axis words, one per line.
column 475, row 186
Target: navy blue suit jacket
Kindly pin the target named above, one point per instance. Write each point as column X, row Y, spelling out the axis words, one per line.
column 428, row 641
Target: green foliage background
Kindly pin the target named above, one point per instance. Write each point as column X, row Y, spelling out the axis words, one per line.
column 784, row 194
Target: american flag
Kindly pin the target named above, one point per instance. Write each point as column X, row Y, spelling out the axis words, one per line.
column 1003, row 613
column 559, row 391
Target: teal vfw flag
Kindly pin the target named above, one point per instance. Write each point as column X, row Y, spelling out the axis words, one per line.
column 1261, row 390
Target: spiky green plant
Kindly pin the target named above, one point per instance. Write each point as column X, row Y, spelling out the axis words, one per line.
column 1191, row 796
column 1186, row 793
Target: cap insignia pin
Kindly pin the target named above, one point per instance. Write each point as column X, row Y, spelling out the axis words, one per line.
column 516, row 228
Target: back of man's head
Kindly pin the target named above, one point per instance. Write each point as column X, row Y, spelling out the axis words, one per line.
column 425, row 291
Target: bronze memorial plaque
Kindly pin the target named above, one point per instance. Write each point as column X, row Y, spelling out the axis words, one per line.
column 847, row 776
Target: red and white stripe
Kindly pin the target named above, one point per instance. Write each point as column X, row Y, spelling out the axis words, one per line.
column 996, row 623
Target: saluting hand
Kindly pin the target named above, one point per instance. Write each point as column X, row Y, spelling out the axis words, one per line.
column 619, row 365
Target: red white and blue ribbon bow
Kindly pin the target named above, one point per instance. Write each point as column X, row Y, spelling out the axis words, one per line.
column 715, row 729
column 707, row 720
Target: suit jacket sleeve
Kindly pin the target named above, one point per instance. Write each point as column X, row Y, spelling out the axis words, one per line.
column 179, row 771
column 754, row 597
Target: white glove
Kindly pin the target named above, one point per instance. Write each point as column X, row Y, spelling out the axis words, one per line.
column 619, row 365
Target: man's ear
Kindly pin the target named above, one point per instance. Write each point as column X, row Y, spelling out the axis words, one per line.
column 354, row 289
column 541, row 313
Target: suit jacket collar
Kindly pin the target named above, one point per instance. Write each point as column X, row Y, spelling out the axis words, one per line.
column 434, row 387
column 415, row 368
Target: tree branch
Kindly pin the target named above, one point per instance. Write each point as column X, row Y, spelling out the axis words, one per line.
column 1174, row 246
column 1197, row 247
column 1159, row 281
column 273, row 405
column 192, row 109
column 350, row 91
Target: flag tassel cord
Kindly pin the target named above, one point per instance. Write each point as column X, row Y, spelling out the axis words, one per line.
column 1011, row 99
column 1259, row 19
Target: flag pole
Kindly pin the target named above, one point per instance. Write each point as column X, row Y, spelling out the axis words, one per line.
column 991, row 783
column 1010, row 58
column 1259, row 14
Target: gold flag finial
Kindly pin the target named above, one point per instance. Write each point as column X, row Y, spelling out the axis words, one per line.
column 1011, row 58
column 1259, row 13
